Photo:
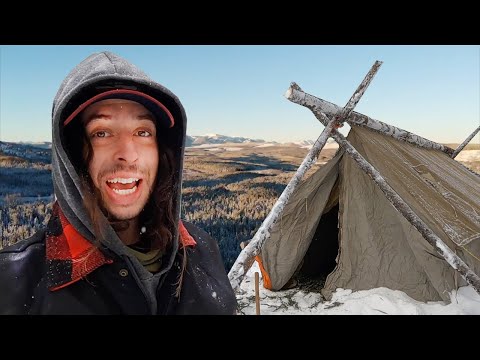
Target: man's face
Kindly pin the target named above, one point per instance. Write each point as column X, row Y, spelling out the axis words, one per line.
column 125, row 155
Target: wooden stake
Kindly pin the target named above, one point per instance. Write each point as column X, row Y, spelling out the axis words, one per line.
column 465, row 143
column 257, row 293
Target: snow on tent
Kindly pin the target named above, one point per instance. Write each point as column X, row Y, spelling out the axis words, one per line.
column 390, row 209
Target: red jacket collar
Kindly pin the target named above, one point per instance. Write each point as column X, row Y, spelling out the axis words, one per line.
column 70, row 257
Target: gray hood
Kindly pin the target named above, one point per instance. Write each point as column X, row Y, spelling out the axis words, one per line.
column 80, row 85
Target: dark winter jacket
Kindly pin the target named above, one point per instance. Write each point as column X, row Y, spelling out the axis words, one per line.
column 49, row 274
column 60, row 271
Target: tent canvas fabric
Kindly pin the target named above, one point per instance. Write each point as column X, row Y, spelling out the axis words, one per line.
column 374, row 245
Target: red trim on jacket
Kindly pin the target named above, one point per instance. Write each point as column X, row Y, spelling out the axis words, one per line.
column 70, row 257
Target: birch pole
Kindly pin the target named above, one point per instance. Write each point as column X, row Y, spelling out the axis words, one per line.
column 247, row 256
column 465, row 143
column 315, row 104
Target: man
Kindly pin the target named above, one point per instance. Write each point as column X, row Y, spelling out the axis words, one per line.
column 115, row 243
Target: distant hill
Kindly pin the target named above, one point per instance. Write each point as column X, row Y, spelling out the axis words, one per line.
column 27, row 151
column 219, row 139
column 25, row 172
column 39, row 144
column 470, row 146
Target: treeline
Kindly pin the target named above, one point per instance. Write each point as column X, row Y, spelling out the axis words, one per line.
column 25, row 182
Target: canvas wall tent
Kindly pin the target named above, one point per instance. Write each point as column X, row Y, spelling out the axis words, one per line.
column 393, row 208
column 338, row 222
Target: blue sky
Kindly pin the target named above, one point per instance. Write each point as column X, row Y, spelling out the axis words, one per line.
column 238, row 90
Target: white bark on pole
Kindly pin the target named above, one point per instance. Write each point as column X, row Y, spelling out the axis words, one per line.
column 247, row 256
column 298, row 96
column 402, row 207
column 465, row 143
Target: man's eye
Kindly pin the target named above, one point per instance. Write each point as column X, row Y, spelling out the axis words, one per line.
column 144, row 133
column 100, row 134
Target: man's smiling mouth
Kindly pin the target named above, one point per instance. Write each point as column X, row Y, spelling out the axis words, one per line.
column 123, row 186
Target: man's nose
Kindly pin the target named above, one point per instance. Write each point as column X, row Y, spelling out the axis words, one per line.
column 126, row 149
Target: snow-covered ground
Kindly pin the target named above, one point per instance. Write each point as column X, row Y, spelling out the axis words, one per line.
column 377, row 301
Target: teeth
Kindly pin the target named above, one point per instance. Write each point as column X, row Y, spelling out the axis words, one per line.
column 122, row 180
column 125, row 192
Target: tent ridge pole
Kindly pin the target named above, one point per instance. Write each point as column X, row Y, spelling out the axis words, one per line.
column 298, row 96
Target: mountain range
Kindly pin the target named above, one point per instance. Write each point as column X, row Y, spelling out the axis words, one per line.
column 218, row 139
column 33, row 152
column 27, row 147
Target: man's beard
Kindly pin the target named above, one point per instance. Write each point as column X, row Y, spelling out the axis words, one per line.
column 100, row 196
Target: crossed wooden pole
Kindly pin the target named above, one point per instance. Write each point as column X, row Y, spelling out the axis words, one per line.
column 465, row 143
column 333, row 117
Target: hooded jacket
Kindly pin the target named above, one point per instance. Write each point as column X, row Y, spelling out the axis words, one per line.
column 60, row 271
